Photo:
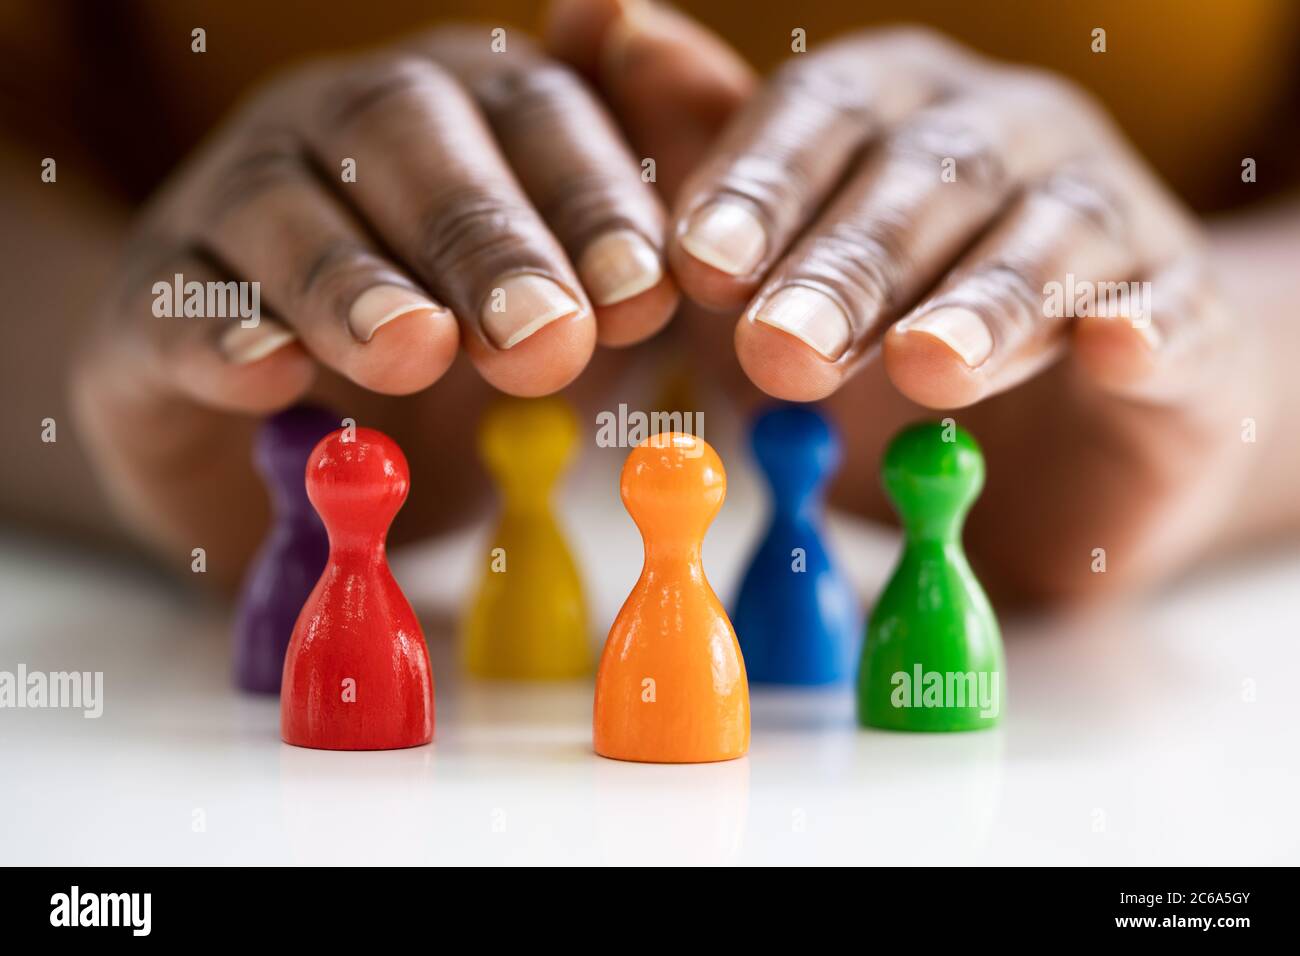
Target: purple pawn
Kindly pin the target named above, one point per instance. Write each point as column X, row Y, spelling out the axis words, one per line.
column 292, row 557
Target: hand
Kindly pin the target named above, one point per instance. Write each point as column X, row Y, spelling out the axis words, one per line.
column 481, row 180
column 867, row 172
column 888, row 214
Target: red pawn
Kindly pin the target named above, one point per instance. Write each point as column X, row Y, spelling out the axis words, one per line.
column 357, row 676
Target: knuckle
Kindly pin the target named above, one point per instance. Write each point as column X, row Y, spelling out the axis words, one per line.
column 472, row 226
column 387, row 82
column 268, row 158
column 1087, row 197
column 1050, row 92
column 826, row 83
column 531, row 92
column 942, row 135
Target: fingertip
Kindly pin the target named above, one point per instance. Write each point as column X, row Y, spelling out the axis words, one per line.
column 1116, row 352
column 236, row 378
column 716, row 253
column 705, row 284
column 623, row 275
column 541, row 364
column 275, row 382
column 407, row 354
column 783, row 366
column 929, row 371
column 638, row 318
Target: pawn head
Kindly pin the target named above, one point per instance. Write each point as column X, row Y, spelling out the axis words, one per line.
column 526, row 442
column 673, row 485
column 283, row 444
column 358, row 486
column 933, row 472
column 797, row 448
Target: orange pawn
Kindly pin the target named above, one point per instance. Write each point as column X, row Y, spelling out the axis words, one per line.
column 671, row 686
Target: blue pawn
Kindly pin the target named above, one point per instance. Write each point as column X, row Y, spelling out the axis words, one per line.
column 797, row 619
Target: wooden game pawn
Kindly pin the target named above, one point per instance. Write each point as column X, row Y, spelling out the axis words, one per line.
column 671, row 687
column 357, row 675
column 932, row 658
column 528, row 620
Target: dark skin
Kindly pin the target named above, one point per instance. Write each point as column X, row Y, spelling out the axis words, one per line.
column 1115, row 431
column 157, row 397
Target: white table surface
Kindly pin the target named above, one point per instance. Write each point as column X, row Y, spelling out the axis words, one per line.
column 1163, row 732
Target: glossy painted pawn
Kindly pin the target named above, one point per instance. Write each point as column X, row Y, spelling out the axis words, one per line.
column 671, row 687
column 357, row 675
column 797, row 618
column 932, row 660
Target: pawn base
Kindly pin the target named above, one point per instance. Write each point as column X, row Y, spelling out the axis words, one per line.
column 324, row 742
column 634, row 755
column 940, row 723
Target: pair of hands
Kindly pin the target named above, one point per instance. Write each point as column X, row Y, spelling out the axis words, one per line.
column 886, row 196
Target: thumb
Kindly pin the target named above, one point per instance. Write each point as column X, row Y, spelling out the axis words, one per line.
column 670, row 82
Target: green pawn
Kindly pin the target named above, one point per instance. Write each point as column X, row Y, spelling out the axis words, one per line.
column 932, row 659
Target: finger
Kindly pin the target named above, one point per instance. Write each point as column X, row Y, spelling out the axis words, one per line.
column 251, row 364
column 1158, row 341
column 268, row 217
column 898, row 223
column 1002, row 313
column 784, row 153
column 153, row 393
column 672, row 85
column 431, row 181
column 579, row 174
column 671, row 82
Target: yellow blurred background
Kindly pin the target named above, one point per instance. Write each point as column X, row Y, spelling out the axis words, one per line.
column 1197, row 84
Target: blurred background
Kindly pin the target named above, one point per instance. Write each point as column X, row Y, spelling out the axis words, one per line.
column 1190, row 81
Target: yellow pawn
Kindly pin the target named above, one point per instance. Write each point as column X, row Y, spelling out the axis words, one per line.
column 529, row 619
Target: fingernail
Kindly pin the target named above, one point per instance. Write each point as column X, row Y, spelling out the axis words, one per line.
column 960, row 329
column 520, row 305
column 617, row 266
column 726, row 236
column 380, row 304
column 812, row 317
column 243, row 346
